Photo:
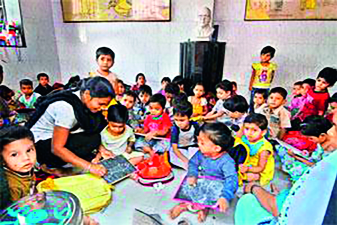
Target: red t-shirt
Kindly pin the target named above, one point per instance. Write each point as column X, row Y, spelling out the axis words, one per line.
column 158, row 123
column 320, row 100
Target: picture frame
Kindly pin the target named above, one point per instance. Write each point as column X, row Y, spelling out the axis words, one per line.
column 116, row 10
column 11, row 24
column 261, row 10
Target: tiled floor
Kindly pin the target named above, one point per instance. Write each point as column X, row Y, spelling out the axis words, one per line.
column 129, row 195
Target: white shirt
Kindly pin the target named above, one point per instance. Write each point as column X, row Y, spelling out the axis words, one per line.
column 60, row 114
column 29, row 103
column 117, row 144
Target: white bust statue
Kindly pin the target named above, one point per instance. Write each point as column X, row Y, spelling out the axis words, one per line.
column 204, row 30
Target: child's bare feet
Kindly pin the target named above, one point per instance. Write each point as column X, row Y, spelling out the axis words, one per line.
column 89, row 221
column 202, row 214
column 177, row 210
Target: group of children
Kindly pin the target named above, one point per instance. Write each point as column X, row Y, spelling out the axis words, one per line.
column 197, row 138
column 17, row 108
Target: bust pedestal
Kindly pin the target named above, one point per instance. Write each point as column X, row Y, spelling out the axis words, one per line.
column 202, row 61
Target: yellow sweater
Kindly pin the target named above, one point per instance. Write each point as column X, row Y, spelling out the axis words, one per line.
column 268, row 173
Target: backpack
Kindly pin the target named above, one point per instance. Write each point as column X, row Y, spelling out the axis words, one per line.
column 155, row 169
column 240, row 154
column 93, row 192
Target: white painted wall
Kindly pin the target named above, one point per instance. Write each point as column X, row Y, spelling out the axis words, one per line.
column 148, row 47
column 41, row 53
column 303, row 47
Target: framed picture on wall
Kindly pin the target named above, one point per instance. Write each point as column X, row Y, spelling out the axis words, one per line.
column 116, row 10
column 11, row 26
column 291, row 10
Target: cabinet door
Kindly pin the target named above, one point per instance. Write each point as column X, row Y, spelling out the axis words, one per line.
column 202, row 62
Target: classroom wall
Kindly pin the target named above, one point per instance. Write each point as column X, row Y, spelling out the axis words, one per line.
column 303, row 47
column 148, row 47
column 65, row 49
column 40, row 55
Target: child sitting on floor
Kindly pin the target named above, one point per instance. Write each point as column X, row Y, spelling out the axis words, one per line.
column 237, row 107
column 29, row 97
column 277, row 115
column 180, row 81
column 223, row 92
column 260, row 97
column 17, row 161
column 320, row 130
column 183, row 135
column 319, row 96
column 171, row 93
column 261, row 164
column 145, row 92
column 301, row 106
column 120, row 90
column 296, row 98
column 140, row 81
column 317, row 129
column 164, row 82
column 129, row 101
column 43, row 88
column 198, row 101
column 157, row 124
column 118, row 138
column 214, row 141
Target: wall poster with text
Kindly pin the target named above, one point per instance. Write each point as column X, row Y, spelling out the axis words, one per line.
column 291, row 10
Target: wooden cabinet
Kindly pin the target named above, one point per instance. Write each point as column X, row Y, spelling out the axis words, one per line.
column 202, row 61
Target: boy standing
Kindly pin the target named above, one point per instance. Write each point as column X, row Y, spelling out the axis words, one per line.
column 28, row 98
column 278, row 116
column 263, row 73
column 105, row 58
column 43, row 88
